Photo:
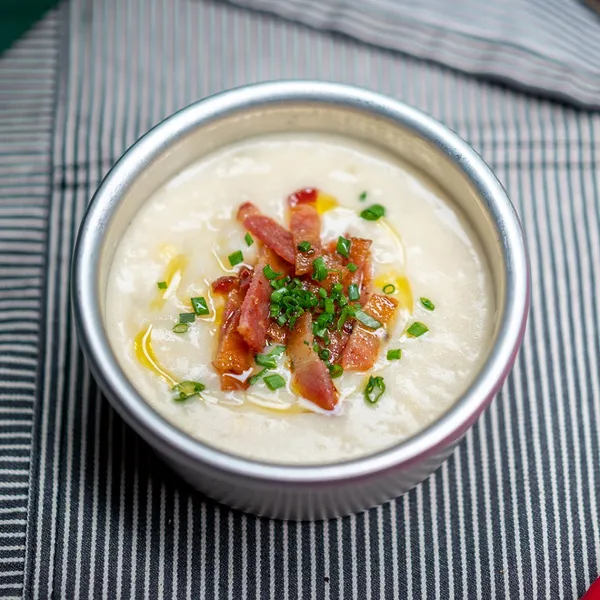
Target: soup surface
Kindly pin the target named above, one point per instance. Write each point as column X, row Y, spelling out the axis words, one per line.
column 368, row 332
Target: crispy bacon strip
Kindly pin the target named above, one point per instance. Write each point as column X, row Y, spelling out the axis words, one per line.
column 311, row 377
column 359, row 255
column 362, row 348
column 305, row 225
column 338, row 341
column 276, row 333
column 304, row 196
column 224, row 285
column 269, row 232
column 254, row 317
column 234, row 357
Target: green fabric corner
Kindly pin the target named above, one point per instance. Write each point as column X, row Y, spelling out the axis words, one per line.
column 17, row 16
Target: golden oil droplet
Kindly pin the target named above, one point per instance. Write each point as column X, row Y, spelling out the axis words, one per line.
column 402, row 289
column 325, row 202
column 142, row 347
column 172, row 277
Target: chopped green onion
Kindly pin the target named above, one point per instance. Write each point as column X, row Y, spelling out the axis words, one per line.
column 329, row 306
column 256, row 377
column 249, row 239
column 389, row 288
column 323, row 293
column 319, row 269
column 236, row 258
column 270, row 273
column 337, row 288
column 428, row 304
column 373, row 212
column 324, row 354
column 187, row 317
column 199, row 305
column 343, row 246
column 336, row 371
column 180, row 328
column 162, row 285
column 342, row 301
column 353, row 292
column 367, row 320
column 187, row 389
column 351, row 267
column 362, row 196
column 277, row 295
column 281, row 320
column 374, row 389
column 276, row 350
column 394, row 354
column 304, row 246
column 346, row 312
column 274, row 381
column 263, row 360
column 417, row 329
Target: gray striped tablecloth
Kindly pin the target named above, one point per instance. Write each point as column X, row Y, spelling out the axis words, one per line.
column 87, row 511
column 551, row 46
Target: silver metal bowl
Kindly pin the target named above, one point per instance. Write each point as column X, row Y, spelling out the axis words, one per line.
column 312, row 491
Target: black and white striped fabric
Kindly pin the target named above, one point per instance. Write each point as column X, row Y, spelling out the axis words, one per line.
column 551, row 46
column 27, row 84
column 87, row 511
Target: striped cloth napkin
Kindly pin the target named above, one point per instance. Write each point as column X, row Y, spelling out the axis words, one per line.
column 550, row 46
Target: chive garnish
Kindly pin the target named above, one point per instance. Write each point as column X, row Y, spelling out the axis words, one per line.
column 337, row 288
column 336, row 371
column 274, row 381
column 323, row 293
column 319, row 269
column 276, row 350
column 324, row 354
column 270, row 273
column 362, row 196
column 366, row 319
column 351, row 267
column 353, row 292
column 329, row 306
column 180, row 328
column 199, row 305
column 394, row 354
column 249, row 239
column 417, row 329
column 346, row 312
column 343, row 246
column 263, row 360
column 236, row 258
column 187, row 317
column 162, row 285
column 256, row 377
column 187, row 389
column 373, row 212
column 374, row 389
column 428, row 304
column 389, row 288
column 304, row 246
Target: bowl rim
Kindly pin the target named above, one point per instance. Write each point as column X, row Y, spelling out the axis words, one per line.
column 188, row 451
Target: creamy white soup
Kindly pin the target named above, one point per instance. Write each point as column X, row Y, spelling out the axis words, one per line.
column 253, row 339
